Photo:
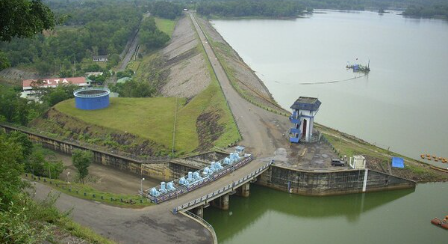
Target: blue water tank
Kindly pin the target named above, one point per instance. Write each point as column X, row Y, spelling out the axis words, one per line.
column 92, row 98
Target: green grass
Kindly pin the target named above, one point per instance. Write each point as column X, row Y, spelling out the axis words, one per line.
column 222, row 51
column 153, row 118
column 351, row 147
column 150, row 118
column 165, row 25
column 86, row 192
column 83, row 232
column 218, row 101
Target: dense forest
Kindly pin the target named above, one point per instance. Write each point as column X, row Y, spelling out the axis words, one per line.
column 150, row 36
column 437, row 10
column 241, row 8
column 291, row 8
column 99, row 27
column 18, row 110
column 167, row 10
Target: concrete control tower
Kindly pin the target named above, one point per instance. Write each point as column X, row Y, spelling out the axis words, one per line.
column 303, row 111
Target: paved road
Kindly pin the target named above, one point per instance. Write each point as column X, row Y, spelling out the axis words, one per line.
column 132, row 47
column 154, row 224
column 262, row 133
column 130, row 53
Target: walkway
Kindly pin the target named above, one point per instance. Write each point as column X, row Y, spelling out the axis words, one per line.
column 262, row 131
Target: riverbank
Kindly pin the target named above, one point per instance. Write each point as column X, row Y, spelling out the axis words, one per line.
column 251, row 87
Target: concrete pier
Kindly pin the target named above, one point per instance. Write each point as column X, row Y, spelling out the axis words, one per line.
column 244, row 190
column 199, row 211
column 221, row 202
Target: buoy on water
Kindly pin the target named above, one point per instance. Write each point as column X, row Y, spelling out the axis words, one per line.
column 442, row 223
column 435, row 158
column 436, row 221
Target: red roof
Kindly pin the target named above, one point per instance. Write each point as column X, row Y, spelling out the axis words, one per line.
column 53, row 82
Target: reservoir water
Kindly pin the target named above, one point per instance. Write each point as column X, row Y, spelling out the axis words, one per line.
column 270, row 216
column 402, row 104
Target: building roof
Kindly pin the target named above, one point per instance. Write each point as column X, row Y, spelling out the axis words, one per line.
column 53, row 82
column 306, row 103
column 94, row 73
column 123, row 80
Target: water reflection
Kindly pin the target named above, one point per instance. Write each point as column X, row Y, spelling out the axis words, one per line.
column 244, row 212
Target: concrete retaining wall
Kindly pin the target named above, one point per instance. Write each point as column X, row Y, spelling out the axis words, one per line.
column 160, row 171
column 330, row 183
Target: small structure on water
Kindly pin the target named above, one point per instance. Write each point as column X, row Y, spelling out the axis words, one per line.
column 359, row 67
column 303, row 111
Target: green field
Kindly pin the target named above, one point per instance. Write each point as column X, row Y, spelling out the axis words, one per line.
column 165, row 25
column 153, row 118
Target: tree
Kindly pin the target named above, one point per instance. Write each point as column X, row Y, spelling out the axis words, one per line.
column 82, row 160
column 132, row 88
column 56, row 96
column 35, row 164
column 4, row 62
column 10, row 170
column 22, row 140
column 24, row 18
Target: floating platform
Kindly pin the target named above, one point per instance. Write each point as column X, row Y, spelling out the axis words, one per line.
column 359, row 68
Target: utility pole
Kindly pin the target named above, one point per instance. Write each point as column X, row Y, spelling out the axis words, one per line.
column 141, row 187
column 174, row 129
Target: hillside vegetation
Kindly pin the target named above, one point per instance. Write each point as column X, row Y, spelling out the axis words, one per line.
column 201, row 123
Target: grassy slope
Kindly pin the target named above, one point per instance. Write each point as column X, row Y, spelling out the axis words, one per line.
column 212, row 100
column 150, row 118
column 224, row 52
column 153, row 118
column 350, row 145
column 165, row 25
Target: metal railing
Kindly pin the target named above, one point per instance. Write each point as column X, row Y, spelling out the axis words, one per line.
column 184, row 189
column 77, row 92
column 218, row 192
column 205, row 223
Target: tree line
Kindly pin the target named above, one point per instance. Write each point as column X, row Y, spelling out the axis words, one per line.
column 18, row 110
column 437, row 10
column 166, row 10
column 24, row 220
column 99, row 27
column 150, row 36
column 291, row 8
column 242, row 8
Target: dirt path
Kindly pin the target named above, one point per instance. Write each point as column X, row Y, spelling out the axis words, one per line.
column 106, row 179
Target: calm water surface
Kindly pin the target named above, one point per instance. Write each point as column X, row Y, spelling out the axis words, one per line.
column 401, row 104
column 270, row 216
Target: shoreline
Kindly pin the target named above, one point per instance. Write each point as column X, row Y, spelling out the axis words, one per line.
column 432, row 173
